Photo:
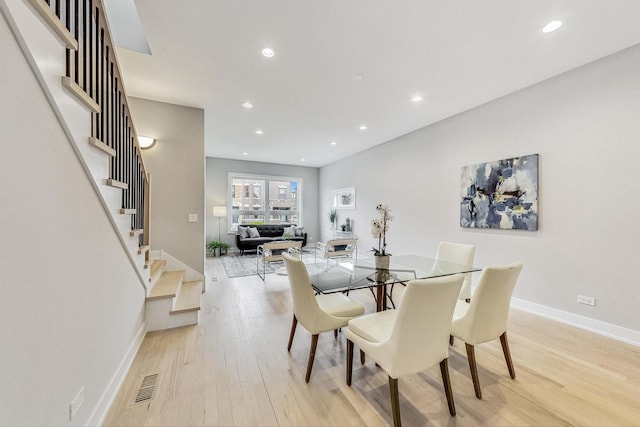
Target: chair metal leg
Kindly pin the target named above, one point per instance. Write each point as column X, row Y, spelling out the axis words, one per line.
column 349, row 361
column 471, row 355
column 312, row 356
column 335, row 333
column 451, row 339
column 294, row 323
column 444, row 370
column 507, row 355
column 395, row 401
column 361, row 357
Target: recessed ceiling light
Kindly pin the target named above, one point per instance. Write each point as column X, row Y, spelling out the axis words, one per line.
column 552, row 26
column 357, row 78
column 302, row 160
column 245, row 154
column 247, row 104
column 268, row 52
column 333, row 143
column 364, row 127
column 416, row 98
column 259, row 132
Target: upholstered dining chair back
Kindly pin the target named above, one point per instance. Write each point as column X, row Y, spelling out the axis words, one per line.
column 458, row 253
column 305, row 304
column 486, row 317
column 420, row 334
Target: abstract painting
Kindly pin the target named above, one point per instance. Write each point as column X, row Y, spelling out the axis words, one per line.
column 501, row 194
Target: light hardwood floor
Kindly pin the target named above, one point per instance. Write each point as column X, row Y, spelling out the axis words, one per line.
column 233, row 369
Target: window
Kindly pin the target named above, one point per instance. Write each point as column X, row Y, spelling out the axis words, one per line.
column 279, row 203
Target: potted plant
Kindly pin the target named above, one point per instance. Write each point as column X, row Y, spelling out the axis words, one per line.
column 224, row 247
column 333, row 217
column 214, row 248
column 379, row 227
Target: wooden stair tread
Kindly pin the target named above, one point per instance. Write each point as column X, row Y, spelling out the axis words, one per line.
column 189, row 297
column 167, row 285
column 143, row 249
column 156, row 266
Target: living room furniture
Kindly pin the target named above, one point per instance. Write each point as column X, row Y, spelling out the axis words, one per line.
column 337, row 248
column 267, row 233
column 485, row 317
column 273, row 251
column 316, row 313
column 410, row 339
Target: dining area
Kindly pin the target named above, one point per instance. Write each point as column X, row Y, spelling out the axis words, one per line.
column 406, row 336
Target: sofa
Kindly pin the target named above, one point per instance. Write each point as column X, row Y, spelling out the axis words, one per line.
column 267, row 233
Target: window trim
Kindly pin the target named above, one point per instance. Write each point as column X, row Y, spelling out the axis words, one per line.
column 266, row 178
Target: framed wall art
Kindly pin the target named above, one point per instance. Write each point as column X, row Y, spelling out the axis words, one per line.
column 344, row 198
column 502, row 194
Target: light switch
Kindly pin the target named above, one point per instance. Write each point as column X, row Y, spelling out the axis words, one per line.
column 193, row 217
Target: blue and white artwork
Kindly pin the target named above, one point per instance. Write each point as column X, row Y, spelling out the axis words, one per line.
column 501, row 194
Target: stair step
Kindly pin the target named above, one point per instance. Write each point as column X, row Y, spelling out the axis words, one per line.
column 156, row 266
column 167, row 285
column 117, row 184
column 189, row 297
column 124, row 211
column 143, row 249
column 136, row 232
column 102, row 146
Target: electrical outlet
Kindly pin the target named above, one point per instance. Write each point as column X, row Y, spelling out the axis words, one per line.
column 586, row 300
column 75, row 404
column 193, row 217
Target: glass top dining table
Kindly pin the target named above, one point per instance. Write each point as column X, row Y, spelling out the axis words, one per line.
column 350, row 274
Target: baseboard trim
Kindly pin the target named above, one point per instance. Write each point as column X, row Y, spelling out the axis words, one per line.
column 106, row 400
column 619, row 333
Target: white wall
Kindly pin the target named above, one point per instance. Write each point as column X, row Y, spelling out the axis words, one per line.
column 585, row 125
column 72, row 303
column 217, row 192
column 176, row 165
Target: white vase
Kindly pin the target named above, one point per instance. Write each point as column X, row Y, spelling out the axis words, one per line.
column 382, row 262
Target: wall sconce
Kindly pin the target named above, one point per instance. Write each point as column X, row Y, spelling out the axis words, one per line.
column 146, row 142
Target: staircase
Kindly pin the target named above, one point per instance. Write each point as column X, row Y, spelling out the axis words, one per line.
column 175, row 293
column 82, row 82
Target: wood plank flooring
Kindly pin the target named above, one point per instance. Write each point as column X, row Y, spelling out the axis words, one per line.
column 233, row 369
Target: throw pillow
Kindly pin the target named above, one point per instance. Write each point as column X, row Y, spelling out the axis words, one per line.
column 298, row 231
column 242, row 231
column 289, row 231
column 253, row 232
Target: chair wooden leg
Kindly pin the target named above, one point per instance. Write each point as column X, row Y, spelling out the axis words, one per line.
column 335, row 333
column 471, row 355
column 349, row 361
column 444, row 370
column 451, row 339
column 507, row 355
column 395, row 401
column 362, row 357
column 294, row 323
column 312, row 356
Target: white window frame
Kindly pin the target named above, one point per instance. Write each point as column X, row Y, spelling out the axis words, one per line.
column 231, row 227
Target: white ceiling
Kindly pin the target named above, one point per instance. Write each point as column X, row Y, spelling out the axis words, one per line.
column 458, row 54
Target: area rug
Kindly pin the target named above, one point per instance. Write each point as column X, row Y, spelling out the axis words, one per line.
column 245, row 265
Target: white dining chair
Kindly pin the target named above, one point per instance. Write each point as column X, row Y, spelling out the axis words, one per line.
column 316, row 313
column 410, row 339
column 457, row 253
column 485, row 317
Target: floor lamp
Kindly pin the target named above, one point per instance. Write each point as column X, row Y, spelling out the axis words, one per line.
column 219, row 212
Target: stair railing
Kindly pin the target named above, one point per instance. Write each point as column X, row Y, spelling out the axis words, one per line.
column 93, row 75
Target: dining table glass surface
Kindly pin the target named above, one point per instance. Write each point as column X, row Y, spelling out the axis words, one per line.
column 348, row 274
